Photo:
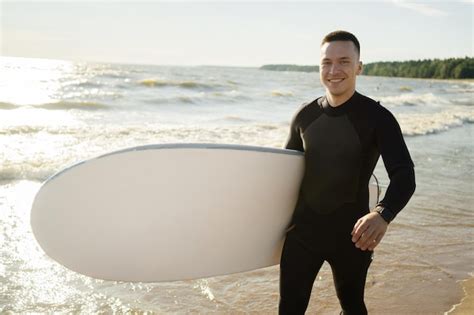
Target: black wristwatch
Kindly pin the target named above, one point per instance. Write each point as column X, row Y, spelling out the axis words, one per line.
column 385, row 213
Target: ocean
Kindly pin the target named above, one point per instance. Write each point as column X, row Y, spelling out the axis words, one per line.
column 56, row 113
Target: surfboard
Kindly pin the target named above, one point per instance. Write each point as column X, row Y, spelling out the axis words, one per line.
column 170, row 212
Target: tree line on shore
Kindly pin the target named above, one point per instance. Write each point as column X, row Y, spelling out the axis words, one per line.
column 451, row 68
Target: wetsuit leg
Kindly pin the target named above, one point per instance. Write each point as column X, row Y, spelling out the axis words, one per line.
column 298, row 269
column 349, row 268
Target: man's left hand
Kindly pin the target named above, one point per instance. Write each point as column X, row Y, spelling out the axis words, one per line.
column 369, row 231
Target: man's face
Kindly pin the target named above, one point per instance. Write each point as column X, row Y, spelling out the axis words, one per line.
column 339, row 67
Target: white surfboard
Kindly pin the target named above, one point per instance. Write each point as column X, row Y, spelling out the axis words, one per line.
column 170, row 212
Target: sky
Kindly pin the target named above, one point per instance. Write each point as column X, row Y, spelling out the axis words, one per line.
column 238, row 33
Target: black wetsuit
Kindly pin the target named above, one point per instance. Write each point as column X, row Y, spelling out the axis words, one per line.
column 342, row 146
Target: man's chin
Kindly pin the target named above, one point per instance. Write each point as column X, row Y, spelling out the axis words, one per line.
column 333, row 91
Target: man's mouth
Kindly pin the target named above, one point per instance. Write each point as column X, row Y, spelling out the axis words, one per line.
column 335, row 80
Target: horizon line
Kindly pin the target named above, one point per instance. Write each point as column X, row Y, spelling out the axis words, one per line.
column 207, row 65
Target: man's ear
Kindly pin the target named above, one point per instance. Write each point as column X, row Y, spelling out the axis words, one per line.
column 359, row 68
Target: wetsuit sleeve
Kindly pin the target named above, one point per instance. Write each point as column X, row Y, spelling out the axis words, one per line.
column 397, row 161
column 294, row 141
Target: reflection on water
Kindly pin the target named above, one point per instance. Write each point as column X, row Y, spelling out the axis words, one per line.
column 26, row 81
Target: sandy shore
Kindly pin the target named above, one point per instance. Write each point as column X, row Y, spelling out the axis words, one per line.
column 466, row 306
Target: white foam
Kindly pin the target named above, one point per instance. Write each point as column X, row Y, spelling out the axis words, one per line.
column 410, row 99
column 421, row 124
column 36, row 153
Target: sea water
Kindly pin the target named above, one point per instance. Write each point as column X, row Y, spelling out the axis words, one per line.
column 56, row 113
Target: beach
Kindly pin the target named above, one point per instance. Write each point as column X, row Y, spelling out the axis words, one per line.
column 57, row 113
column 466, row 306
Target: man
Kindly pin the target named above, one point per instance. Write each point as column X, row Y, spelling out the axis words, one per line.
column 342, row 134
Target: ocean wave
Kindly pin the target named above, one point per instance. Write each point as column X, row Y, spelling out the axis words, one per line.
column 464, row 101
column 186, row 99
column 409, row 99
column 113, row 71
column 116, row 74
column 405, row 89
column 237, row 119
column 4, row 105
column 88, row 141
column 51, row 148
column 89, row 84
column 282, row 93
column 231, row 96
column 181, row 99
column 181, row 84
column 424, row 124
column 39, row 166
column 66, row 145
column 124, row 84
column 15, row 130
column 33, row 129
column 25, row 172
column 65, row 105
column 224, row 96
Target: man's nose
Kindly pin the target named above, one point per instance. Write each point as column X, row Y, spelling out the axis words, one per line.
column 334, row 68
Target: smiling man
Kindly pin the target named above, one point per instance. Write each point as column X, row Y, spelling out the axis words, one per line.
column 342, row 134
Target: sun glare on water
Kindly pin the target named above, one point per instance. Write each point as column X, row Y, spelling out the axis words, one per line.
column 28, row 81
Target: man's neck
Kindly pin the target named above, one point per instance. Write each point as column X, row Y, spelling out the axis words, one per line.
column 336, row 101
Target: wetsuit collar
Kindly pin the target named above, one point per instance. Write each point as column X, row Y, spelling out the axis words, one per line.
column 338, row 110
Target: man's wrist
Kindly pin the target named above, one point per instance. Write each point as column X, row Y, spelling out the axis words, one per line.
column 384, row 212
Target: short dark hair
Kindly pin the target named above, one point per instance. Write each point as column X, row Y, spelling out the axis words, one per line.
column 341, row 35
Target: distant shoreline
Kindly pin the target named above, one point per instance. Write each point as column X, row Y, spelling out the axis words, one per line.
column 467, row 68
column 451, row 68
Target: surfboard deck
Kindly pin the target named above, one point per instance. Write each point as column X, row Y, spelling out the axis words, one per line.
column 170, row 212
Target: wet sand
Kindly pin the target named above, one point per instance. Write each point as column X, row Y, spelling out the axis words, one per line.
column 466, row 306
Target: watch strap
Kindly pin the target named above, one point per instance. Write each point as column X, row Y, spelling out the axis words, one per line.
column 385, row 213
